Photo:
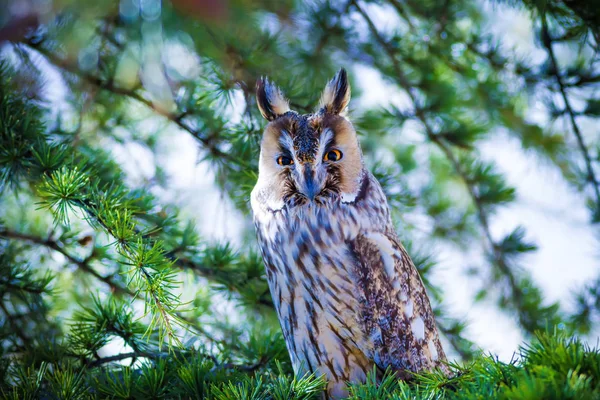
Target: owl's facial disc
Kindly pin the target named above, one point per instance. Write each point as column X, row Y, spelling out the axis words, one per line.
column 311, row 158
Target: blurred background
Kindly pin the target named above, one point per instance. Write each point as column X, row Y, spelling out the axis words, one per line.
column 129, row 146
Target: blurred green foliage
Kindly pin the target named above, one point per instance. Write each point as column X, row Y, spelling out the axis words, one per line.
column 107, row 289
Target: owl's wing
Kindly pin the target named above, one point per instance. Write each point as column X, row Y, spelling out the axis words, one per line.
column 396, row 312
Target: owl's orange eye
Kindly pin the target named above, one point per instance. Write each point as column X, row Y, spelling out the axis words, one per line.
column 333, row 155
column 283, row 160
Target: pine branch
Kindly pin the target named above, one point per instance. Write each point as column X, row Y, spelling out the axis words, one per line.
column 583, row 79
column 247, row 368
column 81, row 264
column 31, row 290
column 244, row 368
column 109, row 85
column 403, row 13
column 124, row 356
column 84, row 265
column 547, row 42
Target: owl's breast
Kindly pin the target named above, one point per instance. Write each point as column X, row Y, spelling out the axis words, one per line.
column 310, row 269
column 308, row 246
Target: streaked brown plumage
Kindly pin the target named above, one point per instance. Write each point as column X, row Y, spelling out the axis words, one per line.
column 347, row 294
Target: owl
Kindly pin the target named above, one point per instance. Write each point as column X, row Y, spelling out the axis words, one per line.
column 348, row 297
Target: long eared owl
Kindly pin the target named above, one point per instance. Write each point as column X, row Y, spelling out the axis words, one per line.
column 348, row 297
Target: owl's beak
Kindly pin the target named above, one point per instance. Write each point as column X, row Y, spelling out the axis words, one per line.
column 309, row 185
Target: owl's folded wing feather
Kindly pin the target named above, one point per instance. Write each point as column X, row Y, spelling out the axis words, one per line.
column 396, row 312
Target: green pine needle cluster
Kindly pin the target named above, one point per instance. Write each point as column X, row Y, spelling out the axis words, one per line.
column 552, row 366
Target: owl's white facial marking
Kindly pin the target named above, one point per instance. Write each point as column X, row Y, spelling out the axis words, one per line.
column 325, row 140
column 286, row 142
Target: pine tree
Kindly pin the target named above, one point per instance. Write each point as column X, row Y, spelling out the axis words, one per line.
column 109, row 290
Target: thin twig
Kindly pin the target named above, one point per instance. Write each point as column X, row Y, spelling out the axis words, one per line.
column 109, row 85
column 124, row 356
column 137, row 354
column 81, row 264
column 591, row 178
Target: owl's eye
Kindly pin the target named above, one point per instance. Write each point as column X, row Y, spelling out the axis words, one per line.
column 333, row 155
column 283, row 160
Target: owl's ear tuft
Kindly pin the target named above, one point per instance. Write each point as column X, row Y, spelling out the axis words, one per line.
column 336, row 96
column 271, row 101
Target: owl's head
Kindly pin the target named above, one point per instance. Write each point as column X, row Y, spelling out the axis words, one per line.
column 307, row 157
